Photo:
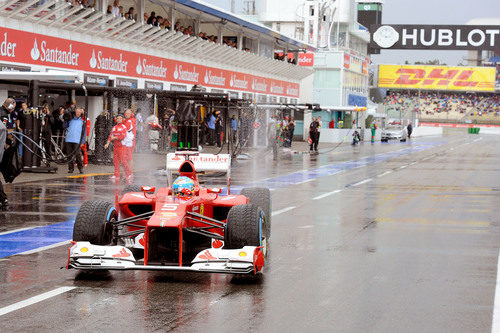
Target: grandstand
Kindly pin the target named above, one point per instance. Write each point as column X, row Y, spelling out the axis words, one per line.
column 443, row 106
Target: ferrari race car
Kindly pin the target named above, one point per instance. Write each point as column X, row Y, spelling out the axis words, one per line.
column 176, row 229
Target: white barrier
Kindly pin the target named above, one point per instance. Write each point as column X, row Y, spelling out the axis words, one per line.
column 425, row 131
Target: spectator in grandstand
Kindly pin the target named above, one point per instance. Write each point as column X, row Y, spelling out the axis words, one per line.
column 146, row 17
column 152, row 18
column 166, row 24
column 115, row 10
column 109, row 11
column 177, row 26
column 131, row 13
column 75, row 139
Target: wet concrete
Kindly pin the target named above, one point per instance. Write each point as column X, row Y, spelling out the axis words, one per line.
column 382, row 238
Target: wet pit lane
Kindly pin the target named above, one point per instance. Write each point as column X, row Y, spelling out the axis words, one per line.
column 398, row 237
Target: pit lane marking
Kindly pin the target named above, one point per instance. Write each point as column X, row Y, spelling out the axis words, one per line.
column 34, row 300
column 495, row 326
column 384, row 174
column 43, row 248
column 16, row 230
column 326, row 194
column 305, row 181
column 281, row 211
column 367, row 180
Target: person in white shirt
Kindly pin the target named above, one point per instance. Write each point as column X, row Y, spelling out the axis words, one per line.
column 115, row 10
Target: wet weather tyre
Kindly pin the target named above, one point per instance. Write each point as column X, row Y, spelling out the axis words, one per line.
column 244, row 227
column 260, row 197
column 92, row 222
column 132, row 188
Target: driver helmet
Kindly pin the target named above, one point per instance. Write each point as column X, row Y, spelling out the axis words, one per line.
column 183, row 186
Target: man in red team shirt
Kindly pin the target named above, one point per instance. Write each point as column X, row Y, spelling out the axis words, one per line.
column 131, row 124
column 118, row 134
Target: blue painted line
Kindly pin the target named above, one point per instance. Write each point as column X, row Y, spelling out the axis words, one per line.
column 26, row 240
column 18, row 242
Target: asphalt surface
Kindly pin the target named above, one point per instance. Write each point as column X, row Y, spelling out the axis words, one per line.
column 398, row 237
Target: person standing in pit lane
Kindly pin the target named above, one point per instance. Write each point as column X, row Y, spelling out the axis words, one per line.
column 219, row 129
column 211, row 129
column 75, row 140
column 313, row 135
column 117, row 136
column 131, row 124
column 4, row 203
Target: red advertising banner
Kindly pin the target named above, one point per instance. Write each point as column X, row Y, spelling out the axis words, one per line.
column 35, row 49
column 306, row 59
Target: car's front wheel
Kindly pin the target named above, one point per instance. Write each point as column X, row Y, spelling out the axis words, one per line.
column 246, row 226
column 94, row 222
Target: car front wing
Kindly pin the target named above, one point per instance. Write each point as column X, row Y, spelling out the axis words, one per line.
column 86, row 256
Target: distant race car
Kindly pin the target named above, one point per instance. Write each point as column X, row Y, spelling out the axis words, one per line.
column 394, row 131
column 182, row 227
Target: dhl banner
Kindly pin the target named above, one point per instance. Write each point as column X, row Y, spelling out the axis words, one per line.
column 437, row 77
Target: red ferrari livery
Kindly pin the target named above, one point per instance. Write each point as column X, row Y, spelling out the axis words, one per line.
column 203, row 231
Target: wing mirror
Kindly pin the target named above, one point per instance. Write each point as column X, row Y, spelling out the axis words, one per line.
column 214, row 190
column 148, row 189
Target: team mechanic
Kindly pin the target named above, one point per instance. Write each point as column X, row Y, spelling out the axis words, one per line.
column 120, row 148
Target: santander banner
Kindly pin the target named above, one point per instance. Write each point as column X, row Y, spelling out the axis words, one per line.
column 30, row 48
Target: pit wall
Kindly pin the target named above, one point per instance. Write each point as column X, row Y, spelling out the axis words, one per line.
column 336, row 135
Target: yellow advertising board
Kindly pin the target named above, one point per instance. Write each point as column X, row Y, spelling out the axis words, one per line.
column 437, row 77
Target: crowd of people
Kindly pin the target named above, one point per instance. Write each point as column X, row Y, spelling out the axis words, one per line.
column 434, row 103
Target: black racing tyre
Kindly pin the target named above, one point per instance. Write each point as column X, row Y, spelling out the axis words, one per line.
column 244, row 227
column 260, row 197
column 132, row 188
column 92, row 222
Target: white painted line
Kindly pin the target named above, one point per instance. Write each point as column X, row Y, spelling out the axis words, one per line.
column 306, row 227
column 385, row 173
column 281, row 211
column 34, row 299
column 43, row 248
column 403, row 166
column 495, row 326
column 362, row 182
column 16, row 230
column 326, row 194
column 305, row 181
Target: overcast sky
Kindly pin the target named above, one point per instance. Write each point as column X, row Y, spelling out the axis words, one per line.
column 418, row 12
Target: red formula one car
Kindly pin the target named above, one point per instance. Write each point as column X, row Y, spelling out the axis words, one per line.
column 201, row 231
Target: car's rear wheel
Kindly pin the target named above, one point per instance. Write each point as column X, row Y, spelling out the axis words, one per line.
column 94, row 222
column 260, row 197
column 246, row 225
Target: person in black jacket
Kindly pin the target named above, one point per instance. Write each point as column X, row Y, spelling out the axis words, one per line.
column 4, row 203
column 47, row 124
column 409, row 128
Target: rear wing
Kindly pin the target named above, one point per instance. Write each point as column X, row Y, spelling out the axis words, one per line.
column 201, row 162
